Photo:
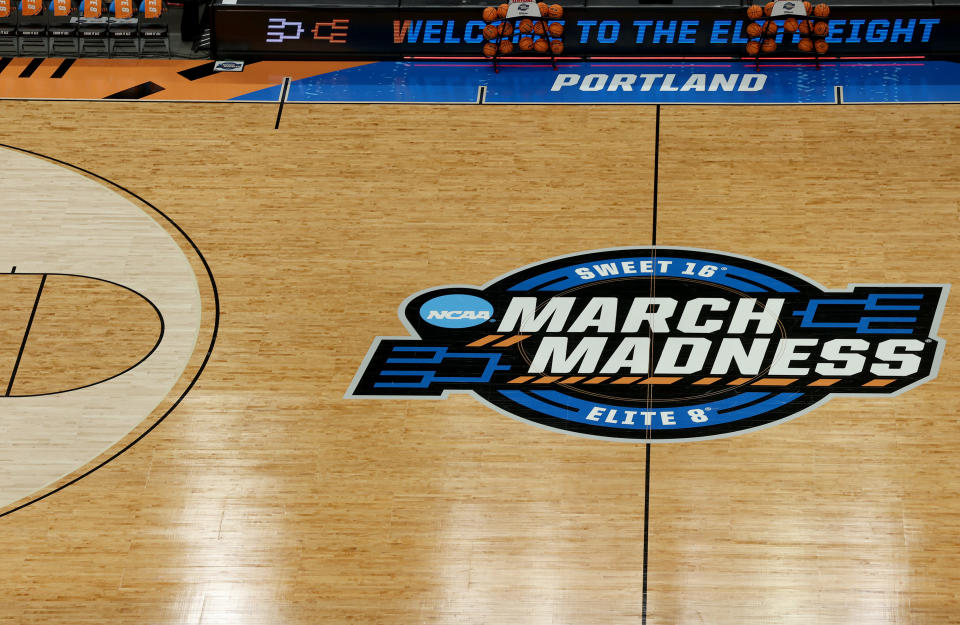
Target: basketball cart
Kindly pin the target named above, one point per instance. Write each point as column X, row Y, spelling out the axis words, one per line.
column 543, row 28
column 798, row 18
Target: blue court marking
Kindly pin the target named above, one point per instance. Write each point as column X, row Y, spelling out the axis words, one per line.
column 270, row 94
column 391, row 81
column 562, row 406
column 661, row 83
column 777, row 82
column 567, row 277
column 921, row 81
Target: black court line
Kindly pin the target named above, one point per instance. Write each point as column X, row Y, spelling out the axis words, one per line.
column 213, row 337
column 156, row 344
column 646, row 531
column 136, row 92
column 656, row 174
column 31, row 68
column 646, row 472
column 283, row 98
column 4, row 61
column 199, row 71
column 206, row 69
column 26, row 333
column 481, row 94
column 62, row 69
column 838, row 94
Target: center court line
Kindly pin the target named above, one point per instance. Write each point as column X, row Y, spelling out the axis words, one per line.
column 646, row 472
column 283, row 98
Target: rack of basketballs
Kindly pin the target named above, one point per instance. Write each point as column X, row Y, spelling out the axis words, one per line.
column 537, row 35
column 762, row 30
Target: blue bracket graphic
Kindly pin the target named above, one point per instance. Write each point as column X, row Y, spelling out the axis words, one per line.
column 437, row 356
column 872, row 304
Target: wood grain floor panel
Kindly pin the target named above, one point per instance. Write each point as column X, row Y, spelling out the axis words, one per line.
column 84, row 331
column 18, row 294
column 848, row 513
column 266, row 497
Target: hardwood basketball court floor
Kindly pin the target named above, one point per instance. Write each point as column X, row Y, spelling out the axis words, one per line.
column 264, row 496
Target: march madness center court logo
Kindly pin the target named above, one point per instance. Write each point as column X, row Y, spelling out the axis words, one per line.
column 657, row 344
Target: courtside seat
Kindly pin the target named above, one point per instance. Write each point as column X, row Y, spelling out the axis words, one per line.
column 92, row 29
column 62, row 28
column 123, row 29
column 154, row 32
column 9, row 13
column 32, row 29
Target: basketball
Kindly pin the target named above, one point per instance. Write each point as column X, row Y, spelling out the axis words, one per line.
column 820, row 29
column 804, row 27
column 769, row 45
column 555, row 29
column 544, row 9
column 821, row 10
column 502, row 11
column 555, row 10
column 805, row 45
column 506, row 29
column 526, row 43
column 490, row 14
column 506, row 46
column 525, row 26
column 771, row 28
column 556, row 47
column 538, row 27
column 807, row 7
column 820, row 46
column 489, row 48
column 541, row 45
column 790, row 25
column 768, row 9
column 755, row 11
column 753, row 48
column 754, row 30
column 490, row 31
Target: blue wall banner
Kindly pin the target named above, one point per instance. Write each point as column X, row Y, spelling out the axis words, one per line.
column 261, row 29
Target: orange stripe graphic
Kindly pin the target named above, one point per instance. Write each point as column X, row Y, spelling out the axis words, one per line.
column 625, row 380
column 597, row 380
column 521, row 379
column 572, row 380
column 739, row 381
column 513, row 339
column 707, row 380
column 547, row 379
column 824, row 382
column 774, row 382
column 880, row 382
column 660, row 380
column 487, row 339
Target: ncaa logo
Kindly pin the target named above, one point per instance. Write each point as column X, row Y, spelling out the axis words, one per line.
column 658, row 344
column 456, row 311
